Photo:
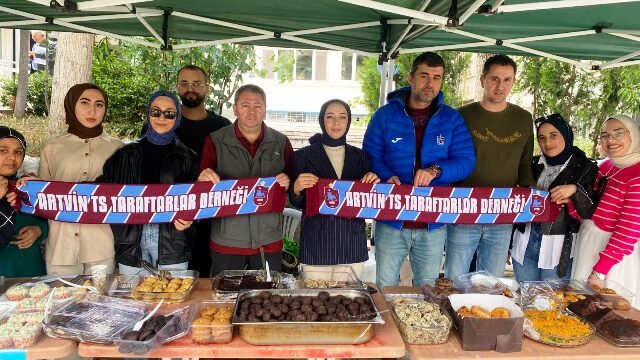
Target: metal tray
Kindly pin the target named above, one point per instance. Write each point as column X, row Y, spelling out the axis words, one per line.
column 312, row 277
column 280, row 281
column 298, row 333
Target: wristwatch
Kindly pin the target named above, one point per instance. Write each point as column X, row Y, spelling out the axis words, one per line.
column 437, row 169
column 598, row 275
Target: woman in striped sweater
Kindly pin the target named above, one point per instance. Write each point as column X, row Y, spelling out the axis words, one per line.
column 607, row 246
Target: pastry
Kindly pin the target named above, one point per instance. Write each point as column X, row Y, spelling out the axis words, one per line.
column 200, row 331
column 17, row 293
column 621, row 304
column 500, row 312
column 480, row 312
column 39, row 291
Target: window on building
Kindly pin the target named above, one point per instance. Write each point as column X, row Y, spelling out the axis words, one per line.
column 268, row 57
column 304, row 62
column 320, row 71
column 347, row 66
column 285, row 65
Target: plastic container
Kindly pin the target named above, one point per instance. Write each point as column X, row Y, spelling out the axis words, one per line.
column 176, row 327
column 480, row 282
column 618, row 291
column 329, row 277
column 121, row 285
column 220, row 331
column 422, row 323
column 93, row 318
column 140, row 292
column 630, row 327
column 394, row 299
column 432, row 293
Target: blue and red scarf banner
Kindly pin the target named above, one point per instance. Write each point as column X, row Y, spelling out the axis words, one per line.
column 91, row 203
column 446, row 205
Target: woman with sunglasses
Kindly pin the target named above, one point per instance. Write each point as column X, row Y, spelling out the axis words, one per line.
column 78, row 156
column 157, row 158
column 20, row 234
column 542, row 251
column 607, row 245
column 330, row 240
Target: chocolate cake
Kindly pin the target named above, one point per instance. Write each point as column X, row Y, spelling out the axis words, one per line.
column 601, row 316
column 235, row 283
column 584, row 307
column 627, row 330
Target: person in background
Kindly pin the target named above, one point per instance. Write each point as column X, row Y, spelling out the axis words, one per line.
column 157, row 158
column 78, row 156
column 542, row 251
column 246, row 149
column 20, row 234
column 330, row 240
column 503, row 141
column 416, row 139
column 607, row 244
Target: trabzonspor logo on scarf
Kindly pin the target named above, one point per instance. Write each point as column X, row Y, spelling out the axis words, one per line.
column 89, row 203
column 449, row 205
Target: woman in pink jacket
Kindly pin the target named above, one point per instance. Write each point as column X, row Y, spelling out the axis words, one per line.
column 607, row 245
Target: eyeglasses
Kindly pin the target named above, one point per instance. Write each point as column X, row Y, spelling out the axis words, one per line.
column 616, row 135
column 195, row 84
column 168, row 114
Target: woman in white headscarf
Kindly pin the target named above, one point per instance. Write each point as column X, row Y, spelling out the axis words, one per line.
column 607, row 246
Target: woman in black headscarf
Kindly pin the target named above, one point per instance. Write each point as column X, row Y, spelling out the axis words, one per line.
column 20, row 234
column 157, row 158
column 330, row 240
column 542, row 251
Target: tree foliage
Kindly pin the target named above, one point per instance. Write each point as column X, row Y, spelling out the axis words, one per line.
column 369, row 77
column 584, row 97
column 38, row 82
column 129, row 73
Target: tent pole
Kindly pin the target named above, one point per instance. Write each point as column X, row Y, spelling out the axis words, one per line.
column 395, row 46
column 220, row 42
column 21, row 23
column 447, row 47
column 144, row 22
column 435, row 19
column 472, row 9
column 332, row 28
column 625, row 63
column 383, row 81
column 325, row 45
column 558, row 4
column 391, row 70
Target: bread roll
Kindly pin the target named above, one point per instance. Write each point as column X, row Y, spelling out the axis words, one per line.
column 500, row 312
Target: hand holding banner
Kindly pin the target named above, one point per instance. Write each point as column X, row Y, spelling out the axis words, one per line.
column 446, row 205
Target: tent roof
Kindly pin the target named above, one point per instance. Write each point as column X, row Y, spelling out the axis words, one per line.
column 605, row 32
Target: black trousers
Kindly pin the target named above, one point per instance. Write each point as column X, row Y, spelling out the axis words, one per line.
column 200, row 250
column 244, row 262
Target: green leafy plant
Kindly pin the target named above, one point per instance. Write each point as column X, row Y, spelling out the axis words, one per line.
column 37, row 97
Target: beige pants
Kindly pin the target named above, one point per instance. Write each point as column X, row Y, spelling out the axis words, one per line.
column 591, row 241
column 339, row 272
column 80, row 268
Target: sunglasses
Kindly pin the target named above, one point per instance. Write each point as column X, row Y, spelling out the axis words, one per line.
column 168, row 114
column 548, row 118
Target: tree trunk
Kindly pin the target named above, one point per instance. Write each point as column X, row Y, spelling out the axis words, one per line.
column 74, row 54
column 20, row 106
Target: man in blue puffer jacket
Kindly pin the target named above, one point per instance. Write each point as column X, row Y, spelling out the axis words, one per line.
column 416, row 139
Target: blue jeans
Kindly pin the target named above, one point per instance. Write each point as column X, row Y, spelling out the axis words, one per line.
column 529, row 270
column 149, row 247
column 424, row 248
column 491, row 241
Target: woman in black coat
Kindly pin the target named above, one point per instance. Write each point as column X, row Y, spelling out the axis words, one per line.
column 330, row 240
column 542, row 251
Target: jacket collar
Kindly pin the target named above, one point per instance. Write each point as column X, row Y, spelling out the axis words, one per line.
column 401, row 95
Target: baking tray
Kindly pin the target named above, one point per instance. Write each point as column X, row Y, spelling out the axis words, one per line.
column 334, row 277
column 93, row 318
column 417, row 334
column 307, row 333
column 280, row 281
column 615, row 341
column 169, row 297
